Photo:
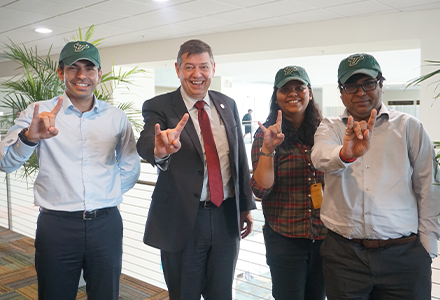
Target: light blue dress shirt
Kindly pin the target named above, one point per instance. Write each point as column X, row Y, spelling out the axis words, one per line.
column 88, row 165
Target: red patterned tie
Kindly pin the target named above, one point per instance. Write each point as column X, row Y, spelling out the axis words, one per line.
column 212, row 161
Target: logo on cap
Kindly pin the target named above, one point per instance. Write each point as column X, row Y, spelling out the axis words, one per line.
column 353, row 61
column 80, row 47
column 290, row 70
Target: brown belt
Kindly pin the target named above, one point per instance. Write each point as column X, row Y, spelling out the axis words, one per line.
column 374, row 244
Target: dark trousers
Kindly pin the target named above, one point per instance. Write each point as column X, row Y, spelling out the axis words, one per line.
column 206, row 264
column 295, row 266
column 64, row 246
column 353, row 272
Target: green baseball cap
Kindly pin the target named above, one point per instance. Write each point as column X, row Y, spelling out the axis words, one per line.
column 291, row 73
column 360, row 63
column 74, row 51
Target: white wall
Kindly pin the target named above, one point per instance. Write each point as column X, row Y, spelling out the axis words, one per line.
column 405, row 30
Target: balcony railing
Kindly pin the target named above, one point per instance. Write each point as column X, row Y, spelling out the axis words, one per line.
column 252, row 277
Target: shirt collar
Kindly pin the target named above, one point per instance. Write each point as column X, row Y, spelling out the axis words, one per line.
column 189, row 102
column 383, row 111
column 67, row 104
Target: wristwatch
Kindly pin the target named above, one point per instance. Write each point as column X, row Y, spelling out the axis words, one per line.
column 23, row 138
column 266, row 154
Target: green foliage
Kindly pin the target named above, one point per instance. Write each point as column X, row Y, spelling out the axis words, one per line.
column 40, row 81
column 437, row 157
column 86, row 37
column 420, row 79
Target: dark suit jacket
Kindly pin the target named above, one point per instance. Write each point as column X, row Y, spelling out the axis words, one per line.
column 176, row 197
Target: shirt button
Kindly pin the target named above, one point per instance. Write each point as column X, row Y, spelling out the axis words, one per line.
column 367, row 167
column 86, row 159
column 367, row 188
column 85, row 139
column 305, row 150
column 310, row 210
column 367, row 213
column 309, row 179
column 87, row 180
column 309, row 195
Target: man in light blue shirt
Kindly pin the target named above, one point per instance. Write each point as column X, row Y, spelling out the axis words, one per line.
column 87, row 156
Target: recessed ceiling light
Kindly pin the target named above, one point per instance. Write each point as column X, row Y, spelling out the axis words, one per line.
column 43, row 30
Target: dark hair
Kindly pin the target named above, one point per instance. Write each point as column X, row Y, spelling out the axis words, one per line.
column 194, row 47
column 305, row 133
column 354, row 78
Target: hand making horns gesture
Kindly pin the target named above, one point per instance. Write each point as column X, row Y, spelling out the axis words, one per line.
column 273, row 135
column 43, row 125
column 358, row 136
column 168, row 141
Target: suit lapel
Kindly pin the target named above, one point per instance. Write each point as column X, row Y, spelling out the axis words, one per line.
column 180, row 109
column 225, row 112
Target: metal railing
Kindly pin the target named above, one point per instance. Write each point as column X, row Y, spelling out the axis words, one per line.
column 252, row 277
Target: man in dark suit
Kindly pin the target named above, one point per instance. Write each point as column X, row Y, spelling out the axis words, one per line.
column 202, row 197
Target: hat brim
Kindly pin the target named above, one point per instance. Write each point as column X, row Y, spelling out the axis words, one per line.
column 285, row 80
column 71, row 60
column 369, row 72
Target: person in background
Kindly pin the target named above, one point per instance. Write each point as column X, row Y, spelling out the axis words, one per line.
column 87, row 158
column 290, row 188
column 247, row 122
column 202, row 197
column 382, row 209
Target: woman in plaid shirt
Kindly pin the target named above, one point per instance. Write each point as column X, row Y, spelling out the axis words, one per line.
column 290, row 188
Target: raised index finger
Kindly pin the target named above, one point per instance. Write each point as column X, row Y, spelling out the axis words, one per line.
column 36, row 115
column 372, row 120
column 182, row 123
column 349, row 123
column 279, row 118
column 57, row 107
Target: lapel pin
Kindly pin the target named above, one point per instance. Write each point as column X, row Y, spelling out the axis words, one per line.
column 222, row 106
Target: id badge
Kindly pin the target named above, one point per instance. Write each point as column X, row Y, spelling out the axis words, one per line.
column 316, row 193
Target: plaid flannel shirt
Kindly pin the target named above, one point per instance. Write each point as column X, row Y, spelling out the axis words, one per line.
column 287, row 205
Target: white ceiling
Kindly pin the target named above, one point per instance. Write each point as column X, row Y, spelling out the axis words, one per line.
column 131, row 21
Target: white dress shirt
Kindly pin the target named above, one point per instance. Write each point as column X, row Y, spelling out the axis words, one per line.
column 388, row 192
column 221, row 143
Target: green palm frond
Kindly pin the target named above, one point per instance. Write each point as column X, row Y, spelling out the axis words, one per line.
column 422, row 78
column 86, row 37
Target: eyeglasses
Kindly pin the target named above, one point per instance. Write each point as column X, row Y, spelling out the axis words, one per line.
column 366, row 86
column 290, row 89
